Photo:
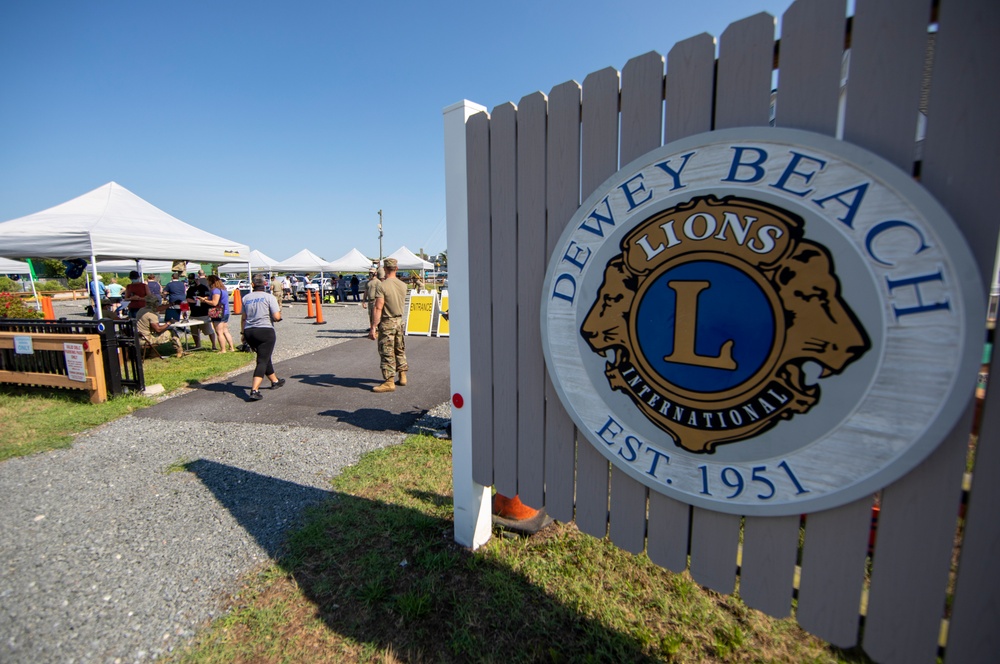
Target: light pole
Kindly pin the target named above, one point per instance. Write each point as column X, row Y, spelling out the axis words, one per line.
column 380, row 237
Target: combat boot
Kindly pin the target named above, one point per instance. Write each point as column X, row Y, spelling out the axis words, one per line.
column 387, row 386
column 402, row 378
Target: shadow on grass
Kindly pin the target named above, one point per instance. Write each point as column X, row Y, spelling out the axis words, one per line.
column 392, row 579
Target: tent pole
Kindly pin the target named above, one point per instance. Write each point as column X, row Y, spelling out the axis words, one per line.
column 97, row 288
column 34, row 293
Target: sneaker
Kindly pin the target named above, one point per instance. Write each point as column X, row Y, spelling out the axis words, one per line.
column 281, row 381
column 255, row 395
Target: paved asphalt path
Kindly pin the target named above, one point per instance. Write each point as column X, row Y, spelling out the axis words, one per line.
column 325, row 389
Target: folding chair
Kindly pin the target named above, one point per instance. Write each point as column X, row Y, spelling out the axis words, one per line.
column 148, row 346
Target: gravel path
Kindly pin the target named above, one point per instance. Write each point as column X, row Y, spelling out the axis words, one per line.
column 109, row 552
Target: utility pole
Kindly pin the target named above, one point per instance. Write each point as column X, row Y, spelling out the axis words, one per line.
column 380, row 237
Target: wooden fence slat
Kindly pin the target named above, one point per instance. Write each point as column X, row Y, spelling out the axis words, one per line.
column 562, row 199
column 833, row 572
column 477, row 134
column 641, row 106
column 714, row 539
column 808, row 86
column 667, row 532
column 746, row 56
column 641, row 121
column 973, row 635
column 688, row 91
column 690, row 87
column 530, row 272
column 767, row 574
column 910, row 568
column 599, row 156
column 746, row 59
column 503, row 210
column 888, row 39
column 960, row 155
column 599, row 159
column 812, row 52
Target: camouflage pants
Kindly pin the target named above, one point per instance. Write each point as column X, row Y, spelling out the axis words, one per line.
column 391, row 347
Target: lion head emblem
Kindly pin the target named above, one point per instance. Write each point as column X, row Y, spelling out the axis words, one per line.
column 709, row 315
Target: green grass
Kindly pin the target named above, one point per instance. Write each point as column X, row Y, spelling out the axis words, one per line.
column 41, row 419
column 374, row 575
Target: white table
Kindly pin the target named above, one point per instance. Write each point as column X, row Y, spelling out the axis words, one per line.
column 186, row 326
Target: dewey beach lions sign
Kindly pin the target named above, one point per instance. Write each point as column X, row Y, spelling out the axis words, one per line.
column 762, row 321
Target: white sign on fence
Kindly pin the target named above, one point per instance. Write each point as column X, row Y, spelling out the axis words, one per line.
column 762, row 321
column 76, row 365
column 23, row 346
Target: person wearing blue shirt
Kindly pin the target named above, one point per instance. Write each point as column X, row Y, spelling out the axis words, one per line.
column 97, row 293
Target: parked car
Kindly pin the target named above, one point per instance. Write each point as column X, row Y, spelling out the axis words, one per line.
column 326, row 283
column 233, row 284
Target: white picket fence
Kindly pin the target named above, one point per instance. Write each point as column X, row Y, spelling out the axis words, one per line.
column 517, row 174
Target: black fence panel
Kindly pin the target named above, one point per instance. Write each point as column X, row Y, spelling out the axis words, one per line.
column 117, row 336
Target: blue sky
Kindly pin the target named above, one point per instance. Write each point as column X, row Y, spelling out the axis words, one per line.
column 288, row 125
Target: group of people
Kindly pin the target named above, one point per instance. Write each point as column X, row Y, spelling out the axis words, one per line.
column 385, row 299
column 289, row 287
column 200, row 298
column 206, row 298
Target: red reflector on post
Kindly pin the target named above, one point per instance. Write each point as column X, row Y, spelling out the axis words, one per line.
column 457, row 400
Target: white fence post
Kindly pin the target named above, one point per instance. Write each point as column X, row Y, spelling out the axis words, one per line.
column 472, row 500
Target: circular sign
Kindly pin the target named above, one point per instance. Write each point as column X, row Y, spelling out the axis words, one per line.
column 763, row 321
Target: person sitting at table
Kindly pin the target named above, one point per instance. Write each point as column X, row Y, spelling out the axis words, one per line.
column 152, row 331
column 176, row 292
column 199, row 310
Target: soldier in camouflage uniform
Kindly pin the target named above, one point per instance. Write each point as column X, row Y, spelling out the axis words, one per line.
column 387, row 328
column 369, row 300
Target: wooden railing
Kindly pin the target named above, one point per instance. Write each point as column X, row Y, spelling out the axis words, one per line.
column 51, row 363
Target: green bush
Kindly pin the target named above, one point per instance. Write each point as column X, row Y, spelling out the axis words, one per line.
column 12, row 306
column 8, row 285
column 49, row 285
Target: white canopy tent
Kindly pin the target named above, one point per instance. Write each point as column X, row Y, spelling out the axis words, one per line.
column 8, row 266
column 259, row 261
column 304, row 261
column 112, row 222
column 408, row 260
column 352, row 261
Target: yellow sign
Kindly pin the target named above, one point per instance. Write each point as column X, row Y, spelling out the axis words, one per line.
column 443, row 324
column 421, row 313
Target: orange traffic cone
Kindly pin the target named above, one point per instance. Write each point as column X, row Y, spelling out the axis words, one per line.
column 514, row 515
column 310, row 312
column 319, row 312
column 47, row 309
column 512, row 508
column 237, row 302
